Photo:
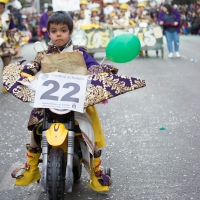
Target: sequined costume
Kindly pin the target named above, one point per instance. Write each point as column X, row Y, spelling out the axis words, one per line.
column 105, row 83
column 9, row 36
column 7, row 41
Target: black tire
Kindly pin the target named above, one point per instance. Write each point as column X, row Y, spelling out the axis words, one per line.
column 56, row 174
column 77, row 171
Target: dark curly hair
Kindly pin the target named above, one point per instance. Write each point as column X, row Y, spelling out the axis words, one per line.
column 61, row 17
column 169, row 8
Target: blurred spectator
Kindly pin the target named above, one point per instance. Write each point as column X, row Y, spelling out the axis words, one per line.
column 169, row 18
column 34, row 33
column 84, row 16
column 195, row 24
column 125, row 15
column 18, row 19
column 113, row 20
column 114, row 14
column 19, row 24
column 43, row 23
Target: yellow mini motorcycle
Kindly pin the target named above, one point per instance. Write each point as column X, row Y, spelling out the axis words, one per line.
column 61, row 153
column 61, row 140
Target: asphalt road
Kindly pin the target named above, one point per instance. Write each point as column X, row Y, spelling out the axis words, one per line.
column 147, row 163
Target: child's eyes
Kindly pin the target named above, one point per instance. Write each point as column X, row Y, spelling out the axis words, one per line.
column 54, row 31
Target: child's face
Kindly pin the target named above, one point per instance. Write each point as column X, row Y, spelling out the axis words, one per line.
column 2, row 6
column 59, row 34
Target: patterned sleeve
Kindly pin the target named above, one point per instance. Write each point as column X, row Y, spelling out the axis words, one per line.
column 12, row 77
column 103, row 68
column 35, row 65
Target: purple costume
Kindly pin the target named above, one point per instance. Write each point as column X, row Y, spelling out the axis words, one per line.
column 105, row 83
column 176, row 19
column 43, row 23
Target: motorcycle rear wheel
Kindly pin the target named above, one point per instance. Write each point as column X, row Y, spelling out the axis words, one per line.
column 56, row 174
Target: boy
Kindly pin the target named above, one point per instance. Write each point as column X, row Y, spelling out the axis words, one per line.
column 60, row 28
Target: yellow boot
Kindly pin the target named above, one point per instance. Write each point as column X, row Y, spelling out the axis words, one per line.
column 30, row 172
column 99, row 182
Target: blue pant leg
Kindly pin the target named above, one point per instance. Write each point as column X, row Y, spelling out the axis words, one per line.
column 169, row 38
column 176, row 41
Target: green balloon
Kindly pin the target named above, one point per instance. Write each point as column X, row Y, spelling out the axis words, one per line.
column 123, row 48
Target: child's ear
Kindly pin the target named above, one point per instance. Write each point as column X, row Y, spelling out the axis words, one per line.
column 49, row 33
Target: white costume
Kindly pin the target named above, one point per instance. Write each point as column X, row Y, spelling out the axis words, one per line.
column 85, row 21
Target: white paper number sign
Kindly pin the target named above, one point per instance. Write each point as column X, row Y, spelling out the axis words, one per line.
column 61, row 91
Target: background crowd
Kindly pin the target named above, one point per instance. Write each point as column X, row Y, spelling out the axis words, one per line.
column 190, row 18
column 110, row 14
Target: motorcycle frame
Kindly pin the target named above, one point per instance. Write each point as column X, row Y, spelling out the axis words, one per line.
column 70, row 126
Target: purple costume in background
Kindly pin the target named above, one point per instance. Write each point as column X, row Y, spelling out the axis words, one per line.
column 12, row 25
column 102, row 85
column 170, row 31
column 43, row 24
column 176, row 19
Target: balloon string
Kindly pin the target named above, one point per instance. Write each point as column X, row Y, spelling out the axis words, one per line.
column 103, row 60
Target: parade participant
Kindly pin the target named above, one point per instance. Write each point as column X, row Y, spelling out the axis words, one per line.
column 113, row 19
column 143, row 13
column 141, row 17
column 125, row 15
column 43, row 23
column 108, row 8
column 84, row 16
column 19, row 24
column 95, row 18
column 95, row 12
column 14, row 8
column 60, row 28
column 7, row 44
column 169, row 18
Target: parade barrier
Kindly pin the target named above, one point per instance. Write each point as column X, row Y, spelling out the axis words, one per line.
column 96, row 40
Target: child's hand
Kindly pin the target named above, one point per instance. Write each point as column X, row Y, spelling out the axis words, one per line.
column 25, row 75
column 104, row 101
column 161, row 23
column 175, row 23
column 31, row 78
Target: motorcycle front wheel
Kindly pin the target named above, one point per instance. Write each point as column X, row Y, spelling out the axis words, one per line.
column 56, row 174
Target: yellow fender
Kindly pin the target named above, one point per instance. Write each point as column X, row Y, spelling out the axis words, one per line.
column 56, row 134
